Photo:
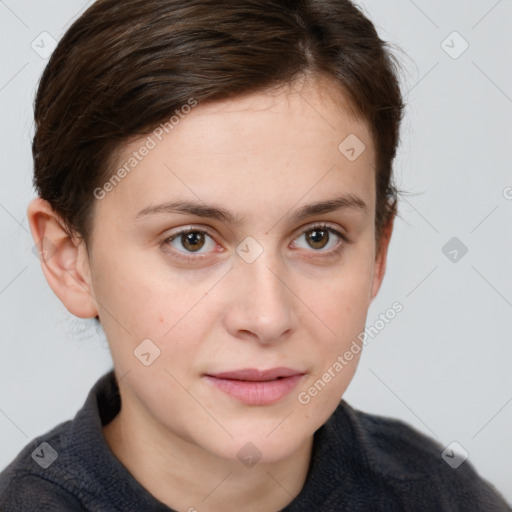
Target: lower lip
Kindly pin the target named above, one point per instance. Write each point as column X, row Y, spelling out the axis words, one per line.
column 256, row 393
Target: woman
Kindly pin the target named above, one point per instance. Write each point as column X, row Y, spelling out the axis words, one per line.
column 215, row 188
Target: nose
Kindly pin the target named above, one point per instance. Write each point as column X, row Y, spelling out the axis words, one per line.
column 263, row 305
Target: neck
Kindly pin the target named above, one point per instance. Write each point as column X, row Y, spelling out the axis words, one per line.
column 186, row 477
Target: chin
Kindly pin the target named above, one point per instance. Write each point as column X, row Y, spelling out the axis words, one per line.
column 255, row 445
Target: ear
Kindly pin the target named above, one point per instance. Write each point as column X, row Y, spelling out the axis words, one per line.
column 64, row 261
column 381, row 258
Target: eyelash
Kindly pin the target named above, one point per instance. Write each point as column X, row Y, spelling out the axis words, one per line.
column 199, row 257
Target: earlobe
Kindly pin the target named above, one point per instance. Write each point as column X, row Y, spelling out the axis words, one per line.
column 381, row 259
column 64, row 261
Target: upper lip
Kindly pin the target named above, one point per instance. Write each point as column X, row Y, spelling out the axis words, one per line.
column 255, row 375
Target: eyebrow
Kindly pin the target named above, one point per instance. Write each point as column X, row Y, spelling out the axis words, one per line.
column 344, row 202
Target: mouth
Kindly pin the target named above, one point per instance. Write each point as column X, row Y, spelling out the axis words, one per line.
column 256, row 387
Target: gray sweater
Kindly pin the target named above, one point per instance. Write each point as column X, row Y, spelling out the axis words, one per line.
column 360, row 462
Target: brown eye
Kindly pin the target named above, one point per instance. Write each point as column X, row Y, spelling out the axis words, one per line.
column 193, row 240
column 317, row 238
column 322, row 239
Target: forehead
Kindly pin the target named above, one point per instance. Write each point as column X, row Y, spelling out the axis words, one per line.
column 275, row 147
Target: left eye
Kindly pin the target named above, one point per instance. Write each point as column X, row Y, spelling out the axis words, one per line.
column 319, row 237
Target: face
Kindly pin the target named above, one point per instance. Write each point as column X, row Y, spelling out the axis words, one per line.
column 263, row 289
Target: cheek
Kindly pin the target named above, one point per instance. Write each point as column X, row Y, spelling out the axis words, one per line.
column 138, row 305
column 342, row 301
column 138, row 296
column 342, row 305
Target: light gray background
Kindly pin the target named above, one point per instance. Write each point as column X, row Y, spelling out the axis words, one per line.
column 444, row 363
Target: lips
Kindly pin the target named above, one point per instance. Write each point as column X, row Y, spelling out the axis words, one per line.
column 252, row 375
column 256, row 387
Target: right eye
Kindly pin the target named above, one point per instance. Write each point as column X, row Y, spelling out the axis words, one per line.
column 192, row 240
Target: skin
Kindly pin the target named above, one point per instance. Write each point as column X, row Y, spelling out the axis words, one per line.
column 262, row 156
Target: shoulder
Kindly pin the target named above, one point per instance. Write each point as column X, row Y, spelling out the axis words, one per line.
column 32, row 482
column 394, row 447
column 27, row 492
column 404, row 457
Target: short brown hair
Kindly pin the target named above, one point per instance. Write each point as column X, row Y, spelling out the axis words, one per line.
column 122, row 68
